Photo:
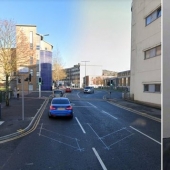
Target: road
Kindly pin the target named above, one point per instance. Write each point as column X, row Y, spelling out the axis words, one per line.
column 100, row 136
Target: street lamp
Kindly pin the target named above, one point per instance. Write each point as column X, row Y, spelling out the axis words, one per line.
column 42, row 36
column 85, row 72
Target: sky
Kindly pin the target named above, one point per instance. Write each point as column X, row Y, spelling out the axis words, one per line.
column 98, row 31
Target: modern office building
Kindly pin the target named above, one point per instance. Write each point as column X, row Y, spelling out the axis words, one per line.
column 40, row 64
column 145, row 79
column 76, row 74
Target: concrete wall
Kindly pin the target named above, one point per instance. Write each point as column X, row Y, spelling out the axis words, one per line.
column 142, row 38
column 166, row 69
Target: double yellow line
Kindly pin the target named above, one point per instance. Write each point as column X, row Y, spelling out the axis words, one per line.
column 24, row 132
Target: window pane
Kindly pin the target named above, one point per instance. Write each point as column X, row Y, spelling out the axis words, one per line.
column 145, row 87
column 151, row 88
column 148, row 20
column 157, row 88
column 158, row 50
column 147, row 54
column 153, row 52
column 159, row 12
column 31, row 60
column 154, row 16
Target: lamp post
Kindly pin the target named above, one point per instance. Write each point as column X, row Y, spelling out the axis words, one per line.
column 85, row 72
column 41, row 36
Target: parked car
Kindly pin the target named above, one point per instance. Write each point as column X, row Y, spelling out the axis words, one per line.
column 60, row 107
column 68, row 89
column 89, row 89
column 58, row 93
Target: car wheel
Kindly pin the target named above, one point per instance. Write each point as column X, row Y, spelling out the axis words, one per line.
column 71, row 117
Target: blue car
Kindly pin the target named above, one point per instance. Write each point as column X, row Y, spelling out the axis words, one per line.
column 60, row 107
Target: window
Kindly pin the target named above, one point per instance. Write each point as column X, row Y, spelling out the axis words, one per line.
column 31, row 72
column 31, row 40
column 153, row 16
column 152, row 88
column 146, row 87
column 31, row 60
column 153, row 52
column 157, row 88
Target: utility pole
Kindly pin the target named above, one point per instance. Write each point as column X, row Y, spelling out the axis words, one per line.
column 85, row 72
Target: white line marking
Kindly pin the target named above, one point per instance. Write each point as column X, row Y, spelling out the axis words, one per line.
column 99, row 159
column 98, row 137
column 59, row 141
column 78, row 94
column 109, row 114
column 137, row 112
column 146, row 135
column 114, row 132
column 80, row 125
column 121, row 140
column 92, row 105
column 1, row 122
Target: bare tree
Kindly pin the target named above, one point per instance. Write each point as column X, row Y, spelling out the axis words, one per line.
column 58, row 67
column 14, row 51
column 98, row 81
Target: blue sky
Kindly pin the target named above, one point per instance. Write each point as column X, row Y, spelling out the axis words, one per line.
column 98, row 31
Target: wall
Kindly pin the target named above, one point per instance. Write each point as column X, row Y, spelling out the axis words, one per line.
column 144, row 37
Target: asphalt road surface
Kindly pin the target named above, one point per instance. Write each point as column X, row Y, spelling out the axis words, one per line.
column 101, row 136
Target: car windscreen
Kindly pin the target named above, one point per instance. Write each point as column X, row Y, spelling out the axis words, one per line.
column 57, row 92
column 60, row 101
column 87, row 87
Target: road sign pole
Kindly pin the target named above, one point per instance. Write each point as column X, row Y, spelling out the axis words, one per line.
column 22, row 97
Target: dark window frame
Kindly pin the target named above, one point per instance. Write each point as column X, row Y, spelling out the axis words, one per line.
column 156, row 90
column 158, row 14
column 156, row 50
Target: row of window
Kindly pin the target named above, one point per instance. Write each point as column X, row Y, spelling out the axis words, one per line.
column 153, row 16
column 152, row 88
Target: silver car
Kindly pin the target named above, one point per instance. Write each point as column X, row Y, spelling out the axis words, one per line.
column 89, row 89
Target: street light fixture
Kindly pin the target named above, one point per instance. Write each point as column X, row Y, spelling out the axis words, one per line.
column 42, row 36
column 85, row 72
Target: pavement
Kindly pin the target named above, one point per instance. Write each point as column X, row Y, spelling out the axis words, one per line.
column 11, row 120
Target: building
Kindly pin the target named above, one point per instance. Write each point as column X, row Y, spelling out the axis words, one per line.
column 145, row 80
column 73, row 76
column 40, row 63
column 166, row 71
column 124, row 79
column 76, row 74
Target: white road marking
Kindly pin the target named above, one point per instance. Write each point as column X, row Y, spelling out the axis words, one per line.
column 98, row 137
column 1, row 122
column 146, row 135
column 92, row 105
column 99, row 159
column 113, row 132
column 109, row 114
column 80, row 125
column 137, row 112
column 78, row 94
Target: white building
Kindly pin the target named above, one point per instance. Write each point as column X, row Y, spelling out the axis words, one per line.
column 166, row 69
column 145, row 80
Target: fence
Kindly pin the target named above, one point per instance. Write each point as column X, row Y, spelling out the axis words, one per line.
column 3, row 94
